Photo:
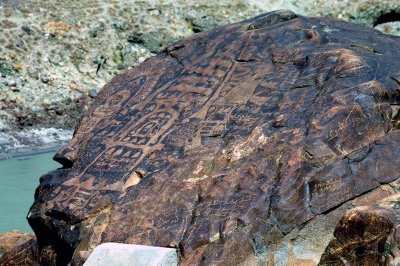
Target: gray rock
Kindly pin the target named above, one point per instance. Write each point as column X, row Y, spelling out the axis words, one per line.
column 389, row 27
column 5, row 69
column 4, row 140
column 44, row 78
column 110, row 254
column 26, row 29
column 11, row 83
column 92, row 93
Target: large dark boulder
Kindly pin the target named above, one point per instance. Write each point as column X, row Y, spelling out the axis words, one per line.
column 230, row 145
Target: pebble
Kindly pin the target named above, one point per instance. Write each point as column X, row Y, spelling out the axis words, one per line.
column 66, row 101
column 92, row 93
column 44, row 78
column 46, row 102
column 26, row 29
column 77, row 95
column 11, row 83
column 59, row 111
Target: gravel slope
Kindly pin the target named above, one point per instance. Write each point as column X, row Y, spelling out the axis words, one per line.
column 55, row 55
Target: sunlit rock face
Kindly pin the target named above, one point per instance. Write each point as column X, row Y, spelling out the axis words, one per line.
column 229, row 145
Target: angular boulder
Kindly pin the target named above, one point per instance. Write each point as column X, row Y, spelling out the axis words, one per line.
column 229, row 144
column 367, row 235
column 13, row 238
column 19, row 249
column 110, row 254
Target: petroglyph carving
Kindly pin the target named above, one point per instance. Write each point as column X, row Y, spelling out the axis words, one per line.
column 227, row 141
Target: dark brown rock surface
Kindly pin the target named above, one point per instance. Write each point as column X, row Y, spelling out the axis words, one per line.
column 227, row 142
column 20, row 249
column 367, row 235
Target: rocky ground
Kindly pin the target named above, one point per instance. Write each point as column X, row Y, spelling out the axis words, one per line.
column 56, row 55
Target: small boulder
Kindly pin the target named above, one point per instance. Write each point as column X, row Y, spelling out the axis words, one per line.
column 367, row 235
column 116, row 254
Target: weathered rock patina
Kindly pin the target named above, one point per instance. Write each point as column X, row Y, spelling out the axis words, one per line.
column 13, row 238
column 367, row 235
column 19, row 249
column 227, row 142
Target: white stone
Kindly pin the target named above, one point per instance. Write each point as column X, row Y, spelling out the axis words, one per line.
column 110, row 254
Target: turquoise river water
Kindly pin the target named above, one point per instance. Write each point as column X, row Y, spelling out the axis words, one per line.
column 19, row 178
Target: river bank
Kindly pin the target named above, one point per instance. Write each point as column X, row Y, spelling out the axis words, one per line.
column 32, row 141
